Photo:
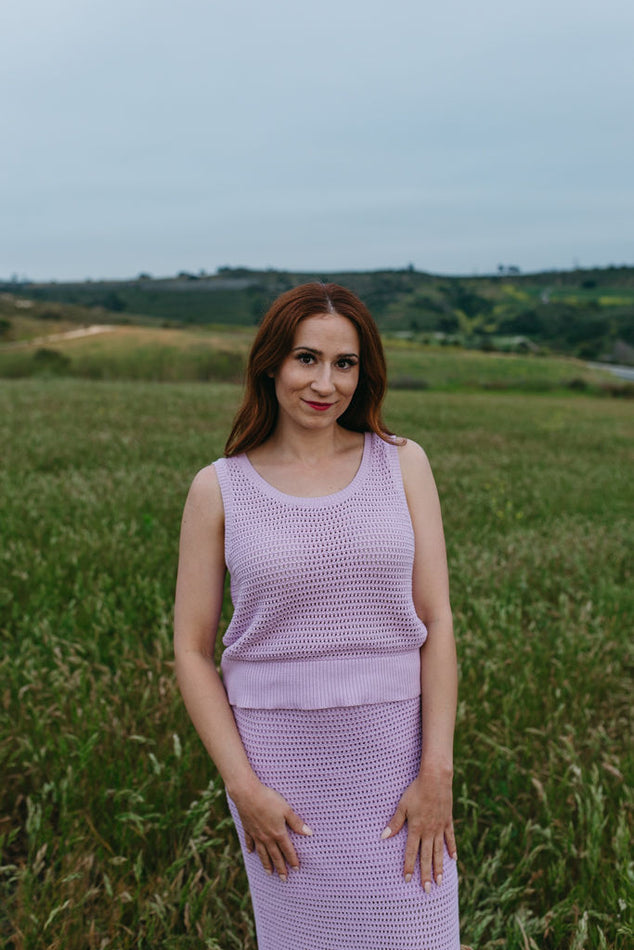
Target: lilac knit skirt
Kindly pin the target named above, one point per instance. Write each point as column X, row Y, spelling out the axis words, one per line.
column 343, row 770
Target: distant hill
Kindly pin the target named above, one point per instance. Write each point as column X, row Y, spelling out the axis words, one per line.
column 585, row 313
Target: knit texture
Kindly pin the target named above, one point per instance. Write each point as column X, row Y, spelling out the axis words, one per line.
column 322, row 589
column 322, row 668
column 343, row 771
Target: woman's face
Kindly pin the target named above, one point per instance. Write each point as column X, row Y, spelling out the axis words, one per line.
column 315, row 383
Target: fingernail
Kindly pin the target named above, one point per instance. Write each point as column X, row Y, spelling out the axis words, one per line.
column 294, row 867
column 306, row 830
column 268, row 870
column 282, row 877
column 455, row 856
column 439, row 879
column 386, row 833
column 427, row 887
column 408, row 878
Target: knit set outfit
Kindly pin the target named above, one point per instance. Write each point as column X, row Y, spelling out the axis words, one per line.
column 322, row 670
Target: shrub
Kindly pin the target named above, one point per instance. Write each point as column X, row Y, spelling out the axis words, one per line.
column 50, row 362
column 408, row 382
column 618, row 390
column 577, row 383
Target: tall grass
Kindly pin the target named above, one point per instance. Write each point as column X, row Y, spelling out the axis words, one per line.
column 113, row 825
column 218, row 354
column 134, row 354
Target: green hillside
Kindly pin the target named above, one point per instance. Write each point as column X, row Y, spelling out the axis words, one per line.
column 59, row 347
column 584, row 313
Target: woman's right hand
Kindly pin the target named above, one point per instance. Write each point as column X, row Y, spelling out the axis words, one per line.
column 266, row 818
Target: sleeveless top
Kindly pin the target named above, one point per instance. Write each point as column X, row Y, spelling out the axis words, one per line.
column 321, row 588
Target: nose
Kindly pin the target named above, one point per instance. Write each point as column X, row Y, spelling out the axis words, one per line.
column 322, row 382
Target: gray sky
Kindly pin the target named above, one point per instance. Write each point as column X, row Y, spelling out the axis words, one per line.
column 145, row 135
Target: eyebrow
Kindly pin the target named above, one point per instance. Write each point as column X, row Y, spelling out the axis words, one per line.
column 311, row 349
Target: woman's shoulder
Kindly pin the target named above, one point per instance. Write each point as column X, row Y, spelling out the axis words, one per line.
column 411, row 455
column 415, row 467
column 207, row 477
column 204, row 492
column 410, row 452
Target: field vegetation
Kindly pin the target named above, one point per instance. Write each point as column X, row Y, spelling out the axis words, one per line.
column 584, row 313
column 152, row 352
column 113, row 825
column 134, row 353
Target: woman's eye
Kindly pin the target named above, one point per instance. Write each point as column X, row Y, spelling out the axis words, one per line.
column 305, row 358
column 345, row 364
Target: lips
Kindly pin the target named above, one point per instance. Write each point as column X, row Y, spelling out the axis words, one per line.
column 319, row 406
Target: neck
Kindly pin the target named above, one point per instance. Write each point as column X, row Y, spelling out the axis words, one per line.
column 302, row 445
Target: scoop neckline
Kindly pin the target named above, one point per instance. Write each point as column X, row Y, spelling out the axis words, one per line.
column 309, row 500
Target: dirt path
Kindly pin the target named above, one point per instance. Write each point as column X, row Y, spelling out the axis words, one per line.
column 66, row 335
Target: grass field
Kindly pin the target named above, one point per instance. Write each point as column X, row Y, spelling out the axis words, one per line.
column 113, row 826
column 218, row 354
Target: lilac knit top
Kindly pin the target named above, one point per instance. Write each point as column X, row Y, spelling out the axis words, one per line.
column 321, row 588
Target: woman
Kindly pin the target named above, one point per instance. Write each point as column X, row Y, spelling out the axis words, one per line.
column 332, row 727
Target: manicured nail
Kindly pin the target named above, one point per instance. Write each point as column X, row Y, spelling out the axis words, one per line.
column 268, row 870
column 455, row 856
column 306, row 830
column 408, row 878
column 294, row 867
column 427, row 887
column 439, row 879
column 282, row 877
column 386, row 833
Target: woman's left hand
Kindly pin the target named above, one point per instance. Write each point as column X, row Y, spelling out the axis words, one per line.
column 426, row 806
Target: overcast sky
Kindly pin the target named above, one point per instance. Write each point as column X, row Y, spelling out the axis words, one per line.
column 145, row 135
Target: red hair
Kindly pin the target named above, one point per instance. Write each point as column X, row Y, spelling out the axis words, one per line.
column 257, row 416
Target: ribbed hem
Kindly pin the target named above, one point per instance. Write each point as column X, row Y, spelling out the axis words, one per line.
column 324, row 683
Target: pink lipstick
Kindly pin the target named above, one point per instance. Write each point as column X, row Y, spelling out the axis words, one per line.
column 319, row 406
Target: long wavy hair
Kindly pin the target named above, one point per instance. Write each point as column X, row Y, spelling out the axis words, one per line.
column 257, row 416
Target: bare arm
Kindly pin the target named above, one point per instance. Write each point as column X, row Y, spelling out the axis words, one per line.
column 427, row 803
column 199, row 594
